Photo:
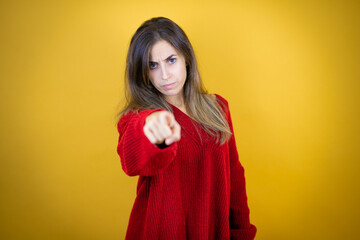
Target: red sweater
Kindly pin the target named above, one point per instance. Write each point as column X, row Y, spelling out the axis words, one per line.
column 188, row 190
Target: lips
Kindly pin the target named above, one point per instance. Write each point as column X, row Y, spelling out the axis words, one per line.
column 168, row 85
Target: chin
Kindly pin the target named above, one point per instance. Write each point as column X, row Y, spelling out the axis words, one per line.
column 171, row 92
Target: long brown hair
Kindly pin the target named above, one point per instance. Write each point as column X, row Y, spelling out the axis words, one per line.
column 140, row 94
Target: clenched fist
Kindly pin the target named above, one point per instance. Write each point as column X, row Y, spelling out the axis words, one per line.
column 161, row 126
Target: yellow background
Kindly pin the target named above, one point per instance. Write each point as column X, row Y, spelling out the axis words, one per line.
column 289, row 69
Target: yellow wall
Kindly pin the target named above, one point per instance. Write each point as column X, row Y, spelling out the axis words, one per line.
column 289, row 69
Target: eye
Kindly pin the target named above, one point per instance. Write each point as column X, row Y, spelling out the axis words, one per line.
column 172, row 60
column 152, row 65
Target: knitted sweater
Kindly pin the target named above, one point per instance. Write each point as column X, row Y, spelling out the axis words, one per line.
column 191, row 189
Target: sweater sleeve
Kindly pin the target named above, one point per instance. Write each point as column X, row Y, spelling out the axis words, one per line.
column 138, row 155
column 240, row 226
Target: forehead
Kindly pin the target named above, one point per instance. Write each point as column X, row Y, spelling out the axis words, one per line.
column 161, row 50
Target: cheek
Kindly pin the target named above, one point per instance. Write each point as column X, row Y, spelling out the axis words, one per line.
column 155, row 79
column 183, row 72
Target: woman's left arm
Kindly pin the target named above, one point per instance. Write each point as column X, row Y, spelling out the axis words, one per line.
column 240, row 226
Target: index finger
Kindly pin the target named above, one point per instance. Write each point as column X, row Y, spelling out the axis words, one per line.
column 164, row 120
column 167, row 119
column 176, row 132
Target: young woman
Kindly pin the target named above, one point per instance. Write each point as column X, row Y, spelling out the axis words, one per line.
column 180, row 141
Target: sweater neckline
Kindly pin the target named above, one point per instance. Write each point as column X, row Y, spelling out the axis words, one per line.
column 174, row 107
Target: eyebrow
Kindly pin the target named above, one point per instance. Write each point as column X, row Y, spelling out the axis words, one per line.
column 172, row 55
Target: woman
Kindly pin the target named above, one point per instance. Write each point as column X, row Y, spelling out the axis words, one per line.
column 179, row 140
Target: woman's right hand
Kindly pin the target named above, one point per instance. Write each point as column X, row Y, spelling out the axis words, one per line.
column 161, row 126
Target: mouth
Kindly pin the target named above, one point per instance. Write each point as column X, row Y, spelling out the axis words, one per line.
column 167, row 86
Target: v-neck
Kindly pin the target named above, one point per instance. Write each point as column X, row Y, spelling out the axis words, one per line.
column 190, row 128
column 179, row 110
column 216, row 97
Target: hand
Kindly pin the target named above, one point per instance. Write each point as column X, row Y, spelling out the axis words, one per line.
column 161, row 126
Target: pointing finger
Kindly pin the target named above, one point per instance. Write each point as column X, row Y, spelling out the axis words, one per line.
column 164, row 121
column 175, row 136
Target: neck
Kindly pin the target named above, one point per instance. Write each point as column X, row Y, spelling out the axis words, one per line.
column 177, row 101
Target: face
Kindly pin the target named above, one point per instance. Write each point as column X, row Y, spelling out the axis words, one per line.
column 167, row 71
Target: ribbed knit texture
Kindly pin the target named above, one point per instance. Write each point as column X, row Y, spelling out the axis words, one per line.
column 191, row 189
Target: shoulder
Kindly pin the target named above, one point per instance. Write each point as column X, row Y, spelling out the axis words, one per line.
column 135, row 115
column 222, row 102
column 219, row 97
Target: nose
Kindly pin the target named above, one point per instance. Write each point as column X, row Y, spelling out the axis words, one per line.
column 165, row 73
